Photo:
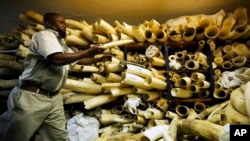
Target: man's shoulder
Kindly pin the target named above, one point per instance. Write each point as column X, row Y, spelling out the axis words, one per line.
column 46, row 33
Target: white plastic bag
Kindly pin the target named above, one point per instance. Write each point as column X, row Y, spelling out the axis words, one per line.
column 83, row 128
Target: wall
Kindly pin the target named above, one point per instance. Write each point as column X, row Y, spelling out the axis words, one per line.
column 129, row 11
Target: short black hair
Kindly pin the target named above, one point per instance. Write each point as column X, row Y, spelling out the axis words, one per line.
column 49, row 17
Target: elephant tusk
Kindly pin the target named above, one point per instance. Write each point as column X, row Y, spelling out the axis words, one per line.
column 98, row 101
column 85, row 87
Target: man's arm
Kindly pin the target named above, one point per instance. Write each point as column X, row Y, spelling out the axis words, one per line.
column 60, row 58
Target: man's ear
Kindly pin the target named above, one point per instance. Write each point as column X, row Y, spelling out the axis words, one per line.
column 47, row 24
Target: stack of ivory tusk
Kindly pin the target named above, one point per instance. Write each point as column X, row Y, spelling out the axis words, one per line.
column 129, row 97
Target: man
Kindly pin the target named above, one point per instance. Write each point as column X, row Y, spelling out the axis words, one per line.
column 35, row 104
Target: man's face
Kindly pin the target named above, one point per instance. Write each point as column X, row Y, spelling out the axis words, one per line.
column 59, row 24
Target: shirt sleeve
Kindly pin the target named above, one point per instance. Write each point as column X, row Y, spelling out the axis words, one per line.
column 47, row 44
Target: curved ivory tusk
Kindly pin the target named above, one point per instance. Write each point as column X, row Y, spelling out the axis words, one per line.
column 217, row 72
column 197, row 76
column 201, row 45
column 195, row 127
column 192, row 114
column 121, row 91
column 193, row 88
column 203, row 94
column 239, row 61
column 98, row 78
column 228, row 49
column 113, row 67
column 119, row 54
column 127, row 29
column 240, row 14
column 238, row 101
column 229, row 23
column 107, row 130
column 113, row 37
column 150, row 96
column 155, row 132
column 172, row 57
column 171, row 134
column 8, row 83
column 117, row 109
column 25, row 18
column 84, row 68
column 212, row 32
column 134, row 80
column 139, row 90
column 199, row 106
column 203, row 84
column 17, row 66
column 161, row 36
column 141, row 120
column 227, row 57
column 189, row 34
column 24, row 51
column 220, row 94
column 192, row 65
column 70, row 31
column 172, row 115
column 65, row 91
column 174, row 33
column 123, row 36
column 241, row 50
column 208, row 110
column 113, row 77
column 247, row 97
column 7, row 57
column 116, row 43
column 235, row 117
column 227, row 65
column 217, row 52
column 105, row 27
column 87, row 32
column 211, row 44
column 114, row 85
column 217, row 117
column 25, row 38
column 138, row 71
column 181, row 55
column 155, row 83
column 182, row 82
column 162, row 104
column 35, row 16
column 109, row 118
column 150, row 36
column 73, row 40
column 139, row 33
column 182, row 110
column 218, row 60
column 200, row 33
column 98, row 101
column 155, row 122
column 100, row 39
column 74, row 24
column 158, row 74
column 72, row 97
column 80, row 86
column 155, row 61
column 181, row 93
column 153, row 113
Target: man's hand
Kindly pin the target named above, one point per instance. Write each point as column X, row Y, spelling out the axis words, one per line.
column 95, row 49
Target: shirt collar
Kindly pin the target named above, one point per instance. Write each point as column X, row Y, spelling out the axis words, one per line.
column 55, row 32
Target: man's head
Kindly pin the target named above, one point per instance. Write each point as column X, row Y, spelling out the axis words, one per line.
column 55, row 22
